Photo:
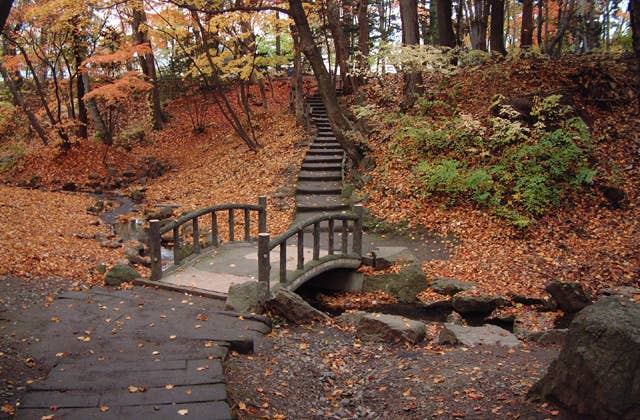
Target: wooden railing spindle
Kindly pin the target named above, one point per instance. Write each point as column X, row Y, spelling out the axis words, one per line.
column 316, row 241
column 247, row 225
column 300, row 264
column 177, row 254
column 214, row 229
column 232, row 236
column 196, row 236
column 331, row 225
column 283, row 262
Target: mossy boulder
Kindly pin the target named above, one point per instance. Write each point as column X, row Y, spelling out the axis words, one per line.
column 120, row 273
column 405, row 285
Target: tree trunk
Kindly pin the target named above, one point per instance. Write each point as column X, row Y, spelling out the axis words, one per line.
column 147, row 63
column 102, row 128
column 539, row 23
column 445, row 24
column 634, row 10
column 340, row 43
column 5, row 8
column 79, row 52
column 19, row 100
column 497, row 27
column 410, row 36
column 297, row 87
column 434, row 39
column 339, row 122
column 526, row 34
column 363, row 37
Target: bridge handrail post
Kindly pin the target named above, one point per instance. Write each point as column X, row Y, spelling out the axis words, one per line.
column 357, row 230
column 154, row 249
column 262, row 214
column 177, row 245
column 196, row 235
column 264, row 265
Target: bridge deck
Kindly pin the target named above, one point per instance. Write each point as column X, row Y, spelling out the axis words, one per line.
column 217, row 268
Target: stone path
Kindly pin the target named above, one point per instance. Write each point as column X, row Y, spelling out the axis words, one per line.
column 131, row 353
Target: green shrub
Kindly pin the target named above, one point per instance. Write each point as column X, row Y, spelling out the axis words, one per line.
column 523, row 172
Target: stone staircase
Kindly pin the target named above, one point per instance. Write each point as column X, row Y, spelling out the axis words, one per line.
column 319, row 188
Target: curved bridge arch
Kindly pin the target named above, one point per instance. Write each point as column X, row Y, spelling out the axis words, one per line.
column 349, row 228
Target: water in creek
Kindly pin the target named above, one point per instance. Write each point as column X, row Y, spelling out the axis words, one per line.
column 131, row 230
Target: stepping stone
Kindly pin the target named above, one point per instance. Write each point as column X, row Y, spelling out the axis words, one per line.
column 323, row 159
column 322, row 166
column 320, row 202
column 319, row 187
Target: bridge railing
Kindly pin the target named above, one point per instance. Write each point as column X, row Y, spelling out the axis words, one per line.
column 266, row 244
column 156, row 231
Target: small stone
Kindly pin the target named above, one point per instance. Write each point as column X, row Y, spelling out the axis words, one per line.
column 477, row 304
column 246, row 297
column 475, row 336
column 383, row 327
column 456, row 318
column 449, row 286
column 120, row 273
column 570, row 296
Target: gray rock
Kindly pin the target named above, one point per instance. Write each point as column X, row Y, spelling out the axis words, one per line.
column 555, row 336
column 350, row 319
column 475, row 336
column 134, row 254
column 120, row 273
column 385, row 256
column 405, row 285
column 456, row 318
column 626, row 291
column 449, row 286
column 291, row 306
column 597, row 373
column 159, row 213
column 246, row 297
column 570, row 296
column 382, row 327
column 111, row 243
column 137, row 196
column 466, row 304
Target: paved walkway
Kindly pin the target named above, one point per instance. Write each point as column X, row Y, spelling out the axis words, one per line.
column 134, row 353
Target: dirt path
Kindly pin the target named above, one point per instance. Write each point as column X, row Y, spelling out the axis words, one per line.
column 323, row 371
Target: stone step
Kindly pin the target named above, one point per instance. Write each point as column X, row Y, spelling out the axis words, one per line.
column 325, row 152
column 322, row 166
column 323, row 159
column 320, row 176
column 325, row 146
column 319, row 187
column 325, row 139
column 320, row 202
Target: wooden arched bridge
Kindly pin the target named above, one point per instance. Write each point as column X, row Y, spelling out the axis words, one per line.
column 310, row 247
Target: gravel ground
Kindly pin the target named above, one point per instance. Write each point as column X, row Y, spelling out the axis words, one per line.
column 20, row 304
column 324, row 371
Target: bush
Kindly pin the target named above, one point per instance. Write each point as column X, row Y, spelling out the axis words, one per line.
column 517, row 172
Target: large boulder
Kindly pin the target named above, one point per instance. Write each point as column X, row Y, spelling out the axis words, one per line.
column 449, row 286
column 246, row 297
column 476, row 336
column 382, row 327
column 597, row 373
column 466, row 304
column 120, row 273
column 570, row 296
column 405, row 285
column 291, row 306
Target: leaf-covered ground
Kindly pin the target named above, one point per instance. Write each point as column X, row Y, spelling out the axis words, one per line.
column 585, row 240
column 41, row 229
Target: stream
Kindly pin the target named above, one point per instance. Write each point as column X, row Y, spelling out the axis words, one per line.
column 131, row 230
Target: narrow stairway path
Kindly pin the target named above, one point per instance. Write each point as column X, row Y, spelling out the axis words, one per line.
column 320, row 181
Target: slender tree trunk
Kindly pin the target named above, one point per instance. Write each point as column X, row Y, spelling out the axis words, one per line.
column 79, row 53
column 433, row 23
column 147, row 63
column 339, row 122
column 297, row 87
column 497, row 27
column 526, row 34
column 539, row 22
column 19, row 100
column 634, row 10
column 340, row 41
column 410, row 36
column 445, row 24
column 363, row 37
column 101, row 126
